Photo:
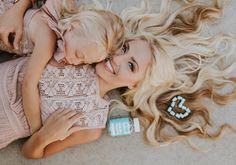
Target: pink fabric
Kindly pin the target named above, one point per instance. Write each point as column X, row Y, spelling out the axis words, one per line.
column 13, row 123
column 74, row 87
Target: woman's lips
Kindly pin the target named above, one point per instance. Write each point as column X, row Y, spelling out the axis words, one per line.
column 108, row 66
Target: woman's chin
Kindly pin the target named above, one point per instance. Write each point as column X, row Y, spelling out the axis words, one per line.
column 101, row 70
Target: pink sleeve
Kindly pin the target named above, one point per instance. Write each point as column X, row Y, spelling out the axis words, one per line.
column 54, row 7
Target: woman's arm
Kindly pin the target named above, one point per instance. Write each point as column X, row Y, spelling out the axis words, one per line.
column 12, row 23
column 58, row 134
column 44, row 41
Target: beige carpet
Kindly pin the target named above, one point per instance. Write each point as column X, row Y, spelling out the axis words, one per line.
column 130, row 150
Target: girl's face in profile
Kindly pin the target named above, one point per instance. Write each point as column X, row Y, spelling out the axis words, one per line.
column 128, row 69
column 80, row 50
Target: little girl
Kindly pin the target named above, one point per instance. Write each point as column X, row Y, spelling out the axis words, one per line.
column 70, row 34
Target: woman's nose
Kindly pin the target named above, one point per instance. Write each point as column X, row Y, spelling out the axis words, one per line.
column 119, row 59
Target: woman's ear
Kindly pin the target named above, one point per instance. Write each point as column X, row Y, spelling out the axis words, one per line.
column 132, row 86
column 69, row 28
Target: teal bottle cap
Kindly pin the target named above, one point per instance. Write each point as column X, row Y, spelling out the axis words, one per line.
column 136, row 125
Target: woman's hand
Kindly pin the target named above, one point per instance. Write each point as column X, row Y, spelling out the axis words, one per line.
column 59, row 125
column 11, row 26
column 49, row 139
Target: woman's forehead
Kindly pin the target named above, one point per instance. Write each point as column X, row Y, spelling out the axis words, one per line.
column 141, row 52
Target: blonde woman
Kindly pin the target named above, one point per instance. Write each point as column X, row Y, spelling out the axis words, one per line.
column 76, row 35
column 190, row 67
column 164, row 57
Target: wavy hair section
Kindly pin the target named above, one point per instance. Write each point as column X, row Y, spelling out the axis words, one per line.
column 186, row 61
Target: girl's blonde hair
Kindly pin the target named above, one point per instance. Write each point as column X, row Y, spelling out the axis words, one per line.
column 187, row 62
column 99, row 25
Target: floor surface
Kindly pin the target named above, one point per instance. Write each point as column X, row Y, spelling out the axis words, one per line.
column 130, row 150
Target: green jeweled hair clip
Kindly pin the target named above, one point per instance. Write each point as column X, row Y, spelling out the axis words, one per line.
column 178, row 115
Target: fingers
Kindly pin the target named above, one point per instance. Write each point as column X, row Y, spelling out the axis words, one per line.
column 66, row 113
column 66, row 116
column 72, row 117
column 70, row 114
column 4, row 38
column 75, row 118
column 17, row 39
column 74, row 129
column 57, row 112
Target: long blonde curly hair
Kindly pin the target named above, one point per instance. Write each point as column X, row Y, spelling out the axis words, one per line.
column 187, row 62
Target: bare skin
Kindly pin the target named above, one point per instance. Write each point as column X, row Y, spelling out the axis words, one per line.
column 15, row 26
column 125, row 70
column 58, row 134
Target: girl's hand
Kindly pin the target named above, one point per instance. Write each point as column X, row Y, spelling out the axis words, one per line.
column 11, row 27
column 59, row 125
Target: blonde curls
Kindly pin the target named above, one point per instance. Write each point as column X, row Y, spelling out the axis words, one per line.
column 185, row 62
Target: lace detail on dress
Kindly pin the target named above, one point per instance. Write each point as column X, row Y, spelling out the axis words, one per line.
column 73, row 87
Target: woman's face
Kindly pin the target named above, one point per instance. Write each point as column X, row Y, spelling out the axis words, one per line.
column 128, row 69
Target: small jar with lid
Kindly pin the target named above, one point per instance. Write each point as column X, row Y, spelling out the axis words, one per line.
column 123, row 126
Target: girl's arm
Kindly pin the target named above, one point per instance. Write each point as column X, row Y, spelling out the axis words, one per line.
column 12, row 23
column 58, row 134
column 44, row 41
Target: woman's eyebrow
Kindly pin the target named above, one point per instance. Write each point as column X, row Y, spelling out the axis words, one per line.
column 132, row 58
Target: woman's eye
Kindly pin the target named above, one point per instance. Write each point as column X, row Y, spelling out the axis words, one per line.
column 131, row 66
column 125, row 48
